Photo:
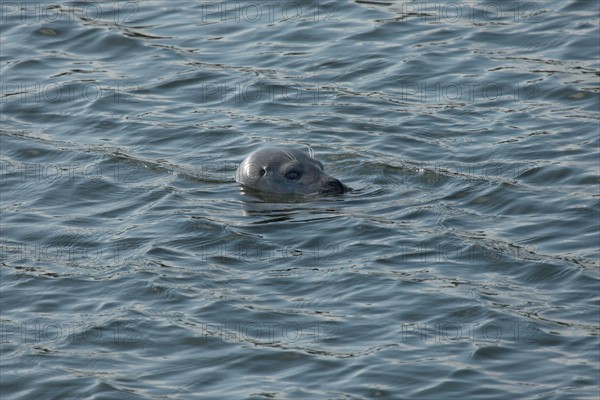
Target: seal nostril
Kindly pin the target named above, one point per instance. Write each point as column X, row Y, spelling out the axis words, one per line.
column 336, row 186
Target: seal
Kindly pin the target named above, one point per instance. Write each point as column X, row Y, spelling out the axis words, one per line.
column 286, row 171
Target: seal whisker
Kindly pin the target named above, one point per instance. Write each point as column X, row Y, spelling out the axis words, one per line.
column 291, row 157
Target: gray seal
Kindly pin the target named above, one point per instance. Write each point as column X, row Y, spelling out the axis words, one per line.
column 286, row 171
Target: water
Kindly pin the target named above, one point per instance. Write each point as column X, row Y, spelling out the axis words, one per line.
column 464, row 264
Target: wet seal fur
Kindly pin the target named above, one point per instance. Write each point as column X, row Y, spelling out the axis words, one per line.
column 283, row 171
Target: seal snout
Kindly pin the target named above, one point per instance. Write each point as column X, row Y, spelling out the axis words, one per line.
column 335, row 186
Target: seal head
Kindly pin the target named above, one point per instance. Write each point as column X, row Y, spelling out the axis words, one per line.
column 286, row 171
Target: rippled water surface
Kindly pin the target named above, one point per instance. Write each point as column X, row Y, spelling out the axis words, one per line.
column 463, row 264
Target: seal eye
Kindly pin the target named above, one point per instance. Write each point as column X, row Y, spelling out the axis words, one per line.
column 262, row 171
column 292, row 175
